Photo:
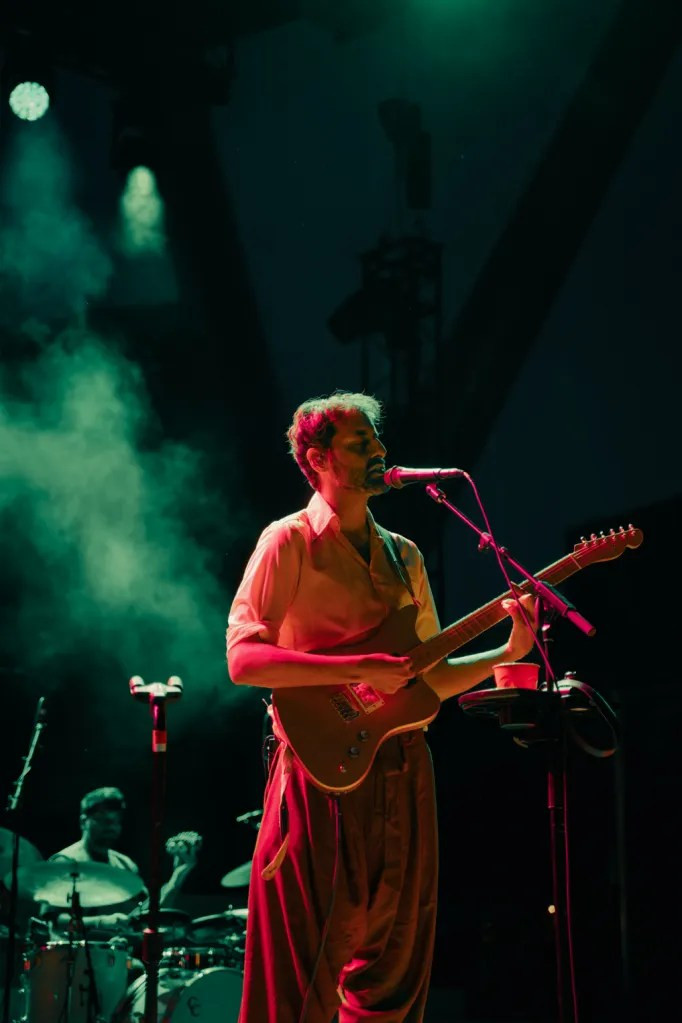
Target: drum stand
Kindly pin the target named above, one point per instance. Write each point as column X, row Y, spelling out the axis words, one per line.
column 155, row 695
column 13, row 804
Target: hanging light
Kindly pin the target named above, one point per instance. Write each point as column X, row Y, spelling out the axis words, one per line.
column 29, row 100
column 26, row 79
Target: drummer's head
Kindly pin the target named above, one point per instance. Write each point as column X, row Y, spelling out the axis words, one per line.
column 102, row 815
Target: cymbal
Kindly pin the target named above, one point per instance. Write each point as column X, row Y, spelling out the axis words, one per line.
column 27, row 851
column 239, row 876
column 238, row 914
column 97, row 884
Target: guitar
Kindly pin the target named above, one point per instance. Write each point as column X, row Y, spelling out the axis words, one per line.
column 336, row 730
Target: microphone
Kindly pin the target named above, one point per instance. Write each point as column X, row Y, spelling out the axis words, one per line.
column 399, row 476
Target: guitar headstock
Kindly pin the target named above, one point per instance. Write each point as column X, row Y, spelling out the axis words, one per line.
column 606, row 546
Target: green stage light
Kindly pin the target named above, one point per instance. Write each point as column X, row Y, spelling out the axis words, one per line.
column 29, row 100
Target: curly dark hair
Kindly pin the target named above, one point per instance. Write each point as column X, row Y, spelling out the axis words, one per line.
column 314, row 423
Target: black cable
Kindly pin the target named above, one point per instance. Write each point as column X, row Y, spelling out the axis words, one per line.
column 325, row 930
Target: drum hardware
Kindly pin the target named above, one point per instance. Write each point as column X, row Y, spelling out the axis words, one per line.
column 218, row 927
column 173, row 924
column 75, row 980
column 60, row 986
column 98, row 884
column 189, row 958
column 212, row 996
column 221, row 934
column 13, row 851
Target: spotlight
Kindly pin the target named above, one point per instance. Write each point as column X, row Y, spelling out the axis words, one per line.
column 29, row 100
column 27, row 80
column 142, row 213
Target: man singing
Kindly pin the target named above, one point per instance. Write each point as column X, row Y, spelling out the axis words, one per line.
column 342, row 901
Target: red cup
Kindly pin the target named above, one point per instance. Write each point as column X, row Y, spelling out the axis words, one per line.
column 516, row 675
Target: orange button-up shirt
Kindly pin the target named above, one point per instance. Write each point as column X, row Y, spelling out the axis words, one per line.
column 307, row 588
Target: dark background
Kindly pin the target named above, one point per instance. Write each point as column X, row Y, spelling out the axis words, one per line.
column 519, row 204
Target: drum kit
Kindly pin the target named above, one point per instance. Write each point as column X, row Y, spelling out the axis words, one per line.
column 95, row 974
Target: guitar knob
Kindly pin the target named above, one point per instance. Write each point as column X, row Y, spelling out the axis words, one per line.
column 363, row 736
column 353, row 751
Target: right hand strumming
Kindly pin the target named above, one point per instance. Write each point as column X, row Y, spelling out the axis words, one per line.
column 384, row 672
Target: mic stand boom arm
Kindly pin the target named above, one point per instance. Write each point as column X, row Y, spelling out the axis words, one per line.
column 549, row 595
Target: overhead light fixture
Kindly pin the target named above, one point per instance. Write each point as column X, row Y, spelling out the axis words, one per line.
column 26, row 80
column 29, row 101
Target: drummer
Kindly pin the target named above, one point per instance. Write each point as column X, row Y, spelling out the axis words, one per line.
column 101, row 821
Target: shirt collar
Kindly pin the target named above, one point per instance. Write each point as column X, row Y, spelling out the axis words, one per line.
column 321, row 515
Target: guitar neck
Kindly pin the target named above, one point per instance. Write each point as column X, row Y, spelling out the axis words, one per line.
column 463, row 631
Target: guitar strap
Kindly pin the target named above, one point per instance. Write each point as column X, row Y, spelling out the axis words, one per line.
column 395, row 559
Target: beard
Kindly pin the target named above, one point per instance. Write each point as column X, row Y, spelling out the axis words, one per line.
column 366, row 480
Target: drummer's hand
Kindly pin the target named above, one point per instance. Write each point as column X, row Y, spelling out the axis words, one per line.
column 185, row 849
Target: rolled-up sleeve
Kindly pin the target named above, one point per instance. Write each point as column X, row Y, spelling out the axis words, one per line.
column 268, row 585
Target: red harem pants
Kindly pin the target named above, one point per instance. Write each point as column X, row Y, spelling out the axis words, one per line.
column 376, row 961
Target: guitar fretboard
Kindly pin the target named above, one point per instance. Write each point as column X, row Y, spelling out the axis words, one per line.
column 463, row 631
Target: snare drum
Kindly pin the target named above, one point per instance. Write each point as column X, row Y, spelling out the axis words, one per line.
column 58, row 984
column 209, row 996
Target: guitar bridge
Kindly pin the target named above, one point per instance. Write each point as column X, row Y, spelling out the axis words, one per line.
column 343, row 707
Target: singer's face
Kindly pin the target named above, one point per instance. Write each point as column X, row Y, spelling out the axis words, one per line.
column 355, row 460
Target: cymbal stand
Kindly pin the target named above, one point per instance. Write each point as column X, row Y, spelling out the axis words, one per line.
column 77, row 927
column 156, row 695
column 13, row 803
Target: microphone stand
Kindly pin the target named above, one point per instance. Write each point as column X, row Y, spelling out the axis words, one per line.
column 156, row 695
column 539, row 714
column 11, row 809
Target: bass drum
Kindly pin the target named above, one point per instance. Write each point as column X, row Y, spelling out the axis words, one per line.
column 59, row 985
column 185, row 996
column 17, row 998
